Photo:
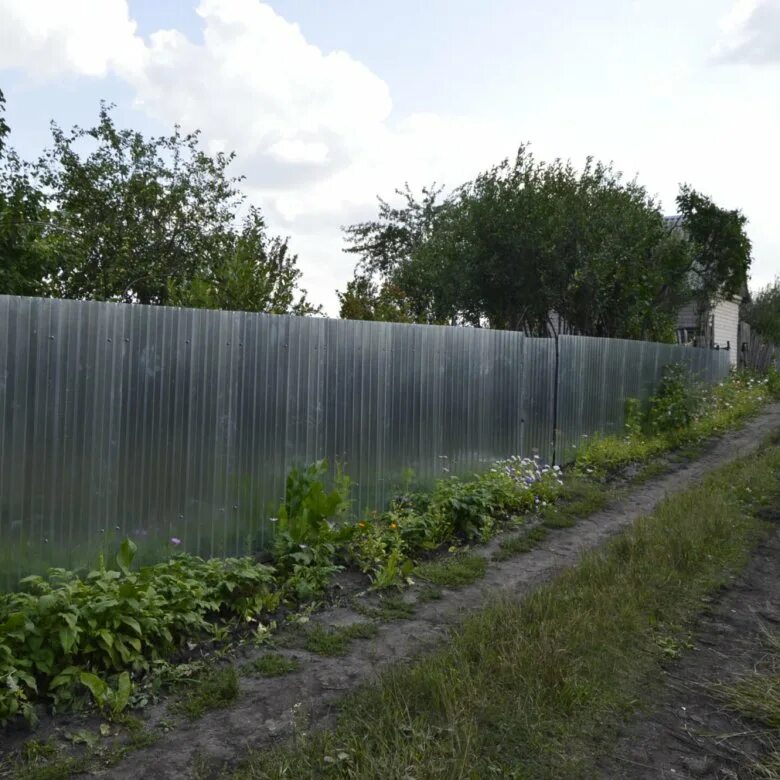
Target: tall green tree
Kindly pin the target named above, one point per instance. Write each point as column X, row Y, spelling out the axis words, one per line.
column 254, row 272
column 388, row 284
column 531, row 246
column 720, row 248
column 24, row 265
column 112, row 215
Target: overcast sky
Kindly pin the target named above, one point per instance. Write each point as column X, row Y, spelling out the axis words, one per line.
column 329, row 103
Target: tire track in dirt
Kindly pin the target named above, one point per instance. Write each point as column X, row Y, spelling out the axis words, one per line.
column 264, row 711
column 687, row 733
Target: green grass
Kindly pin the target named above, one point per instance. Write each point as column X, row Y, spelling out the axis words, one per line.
column 756, row 697
column 539, row 688
column 214, row 689
column 649, row 470
column 429, row 593
column 273, row 665
column 58, row 769
column 523, row 542
column 335, row 641
column 728, row 405
column 390, row 607
column 579, row 498
column 460, row 569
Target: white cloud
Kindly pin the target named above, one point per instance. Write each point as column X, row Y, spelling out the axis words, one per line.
column 751, row 33
column 314, row 130
column 256, row 83
column 48, row 38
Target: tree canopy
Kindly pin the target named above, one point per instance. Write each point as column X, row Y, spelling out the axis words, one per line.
column 763, row 312
column 538, row 247
column 108, row 214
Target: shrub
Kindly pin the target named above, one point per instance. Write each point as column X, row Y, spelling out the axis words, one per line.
column 676, row 402
column 63, row 632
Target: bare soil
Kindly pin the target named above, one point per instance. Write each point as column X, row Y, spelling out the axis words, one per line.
column 686, row 732
column 264, row 711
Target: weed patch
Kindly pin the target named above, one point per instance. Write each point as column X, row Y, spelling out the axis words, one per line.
column 390, row 607
column 214, row 689
column 454, row 572
column 335, row 641
column 520, row 543
column 680, row 415
column 273, row 665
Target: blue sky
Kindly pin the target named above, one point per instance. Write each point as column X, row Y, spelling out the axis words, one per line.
column 331, row 102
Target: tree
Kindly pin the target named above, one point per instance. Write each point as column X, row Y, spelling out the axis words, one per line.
column 24, row 265
column 388, row 284
column 365, row 300
column 255, row 273
column 134, row 215
column 721, row 250
column 763, row 312
column 528, row 240
column 4, row 129
column 147, row 220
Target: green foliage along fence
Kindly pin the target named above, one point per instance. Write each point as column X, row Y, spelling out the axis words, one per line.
column 177, row 427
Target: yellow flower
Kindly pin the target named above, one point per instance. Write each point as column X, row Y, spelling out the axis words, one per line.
column 361, row 524
column 393, row 526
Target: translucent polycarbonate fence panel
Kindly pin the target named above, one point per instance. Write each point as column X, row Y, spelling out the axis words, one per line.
column 597, row 376
column 178, row 427
column 539, row 398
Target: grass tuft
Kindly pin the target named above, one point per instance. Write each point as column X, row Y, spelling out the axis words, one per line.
column 335, row 641
column 214, row 689
column 390, row 607
column 520, row 543
column 273, row 665
column 460, row 569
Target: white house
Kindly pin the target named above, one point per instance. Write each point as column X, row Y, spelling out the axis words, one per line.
column 717, row 325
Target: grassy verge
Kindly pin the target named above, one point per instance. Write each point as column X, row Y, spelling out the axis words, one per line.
column 537, row 689
column 717, row 409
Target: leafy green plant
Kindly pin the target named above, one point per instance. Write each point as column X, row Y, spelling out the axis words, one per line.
column 675, row 403
column 308, row 526
column 64, row 633
column 468, row 506
column 394, row 571
column 773, row 383
column 115, row 701
column 309, row 512
column 633, row 417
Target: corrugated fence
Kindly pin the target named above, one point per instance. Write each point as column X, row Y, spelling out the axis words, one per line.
column 161, row 423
